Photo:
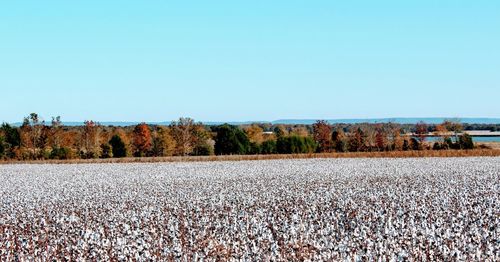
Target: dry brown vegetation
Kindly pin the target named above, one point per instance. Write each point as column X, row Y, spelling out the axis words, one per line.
column 493, row 145
column 389, row 154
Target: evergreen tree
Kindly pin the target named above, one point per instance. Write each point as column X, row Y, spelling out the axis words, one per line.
column 254, row 148
column 118, row 146
column 231, row 140
column 268, row 147
column 12, row 136
column 295, row 145
column 12, row 139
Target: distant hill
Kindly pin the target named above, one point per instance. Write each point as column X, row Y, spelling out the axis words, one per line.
column 428, row 120
column 399, row 120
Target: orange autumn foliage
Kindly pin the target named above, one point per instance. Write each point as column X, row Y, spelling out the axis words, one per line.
column 142, row 139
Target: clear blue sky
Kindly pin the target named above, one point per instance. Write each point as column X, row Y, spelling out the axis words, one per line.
column 249, row 60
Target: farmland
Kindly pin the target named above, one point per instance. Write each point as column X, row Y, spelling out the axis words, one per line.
column 294, row 209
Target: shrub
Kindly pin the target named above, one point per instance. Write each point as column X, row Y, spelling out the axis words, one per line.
column 88, row 154
column 415, row 145
column 106, row 151
column 483, row 146
column 465, row 142
column 60, row 153
column 406, row 145
column 448, row 143
column 118, row 146
column 204, row 149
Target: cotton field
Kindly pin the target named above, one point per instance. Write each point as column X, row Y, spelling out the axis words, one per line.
column 315, row 209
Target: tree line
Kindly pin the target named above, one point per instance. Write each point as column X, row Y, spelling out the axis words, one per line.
column 35, row 139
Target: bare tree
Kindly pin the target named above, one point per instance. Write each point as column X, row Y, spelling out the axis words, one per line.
column 90, row 139
column 56, row 132
column 182, row 132
column 421, row 131
column 32, row 131
column 454, row 126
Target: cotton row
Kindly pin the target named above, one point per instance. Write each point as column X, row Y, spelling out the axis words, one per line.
column 316, row 209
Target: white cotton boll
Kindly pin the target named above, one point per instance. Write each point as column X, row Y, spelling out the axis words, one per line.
column 314, row 209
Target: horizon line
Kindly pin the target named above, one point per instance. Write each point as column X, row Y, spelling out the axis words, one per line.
column 297, row 120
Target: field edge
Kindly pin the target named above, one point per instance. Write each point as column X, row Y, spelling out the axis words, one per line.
column 390, row 154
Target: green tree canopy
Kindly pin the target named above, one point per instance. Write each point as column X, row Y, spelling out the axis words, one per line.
column 118, row 146
column 295, row 145
column 12, row 136
column 231, row 140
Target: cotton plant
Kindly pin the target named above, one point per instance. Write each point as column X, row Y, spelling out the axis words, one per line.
column 313, row 210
